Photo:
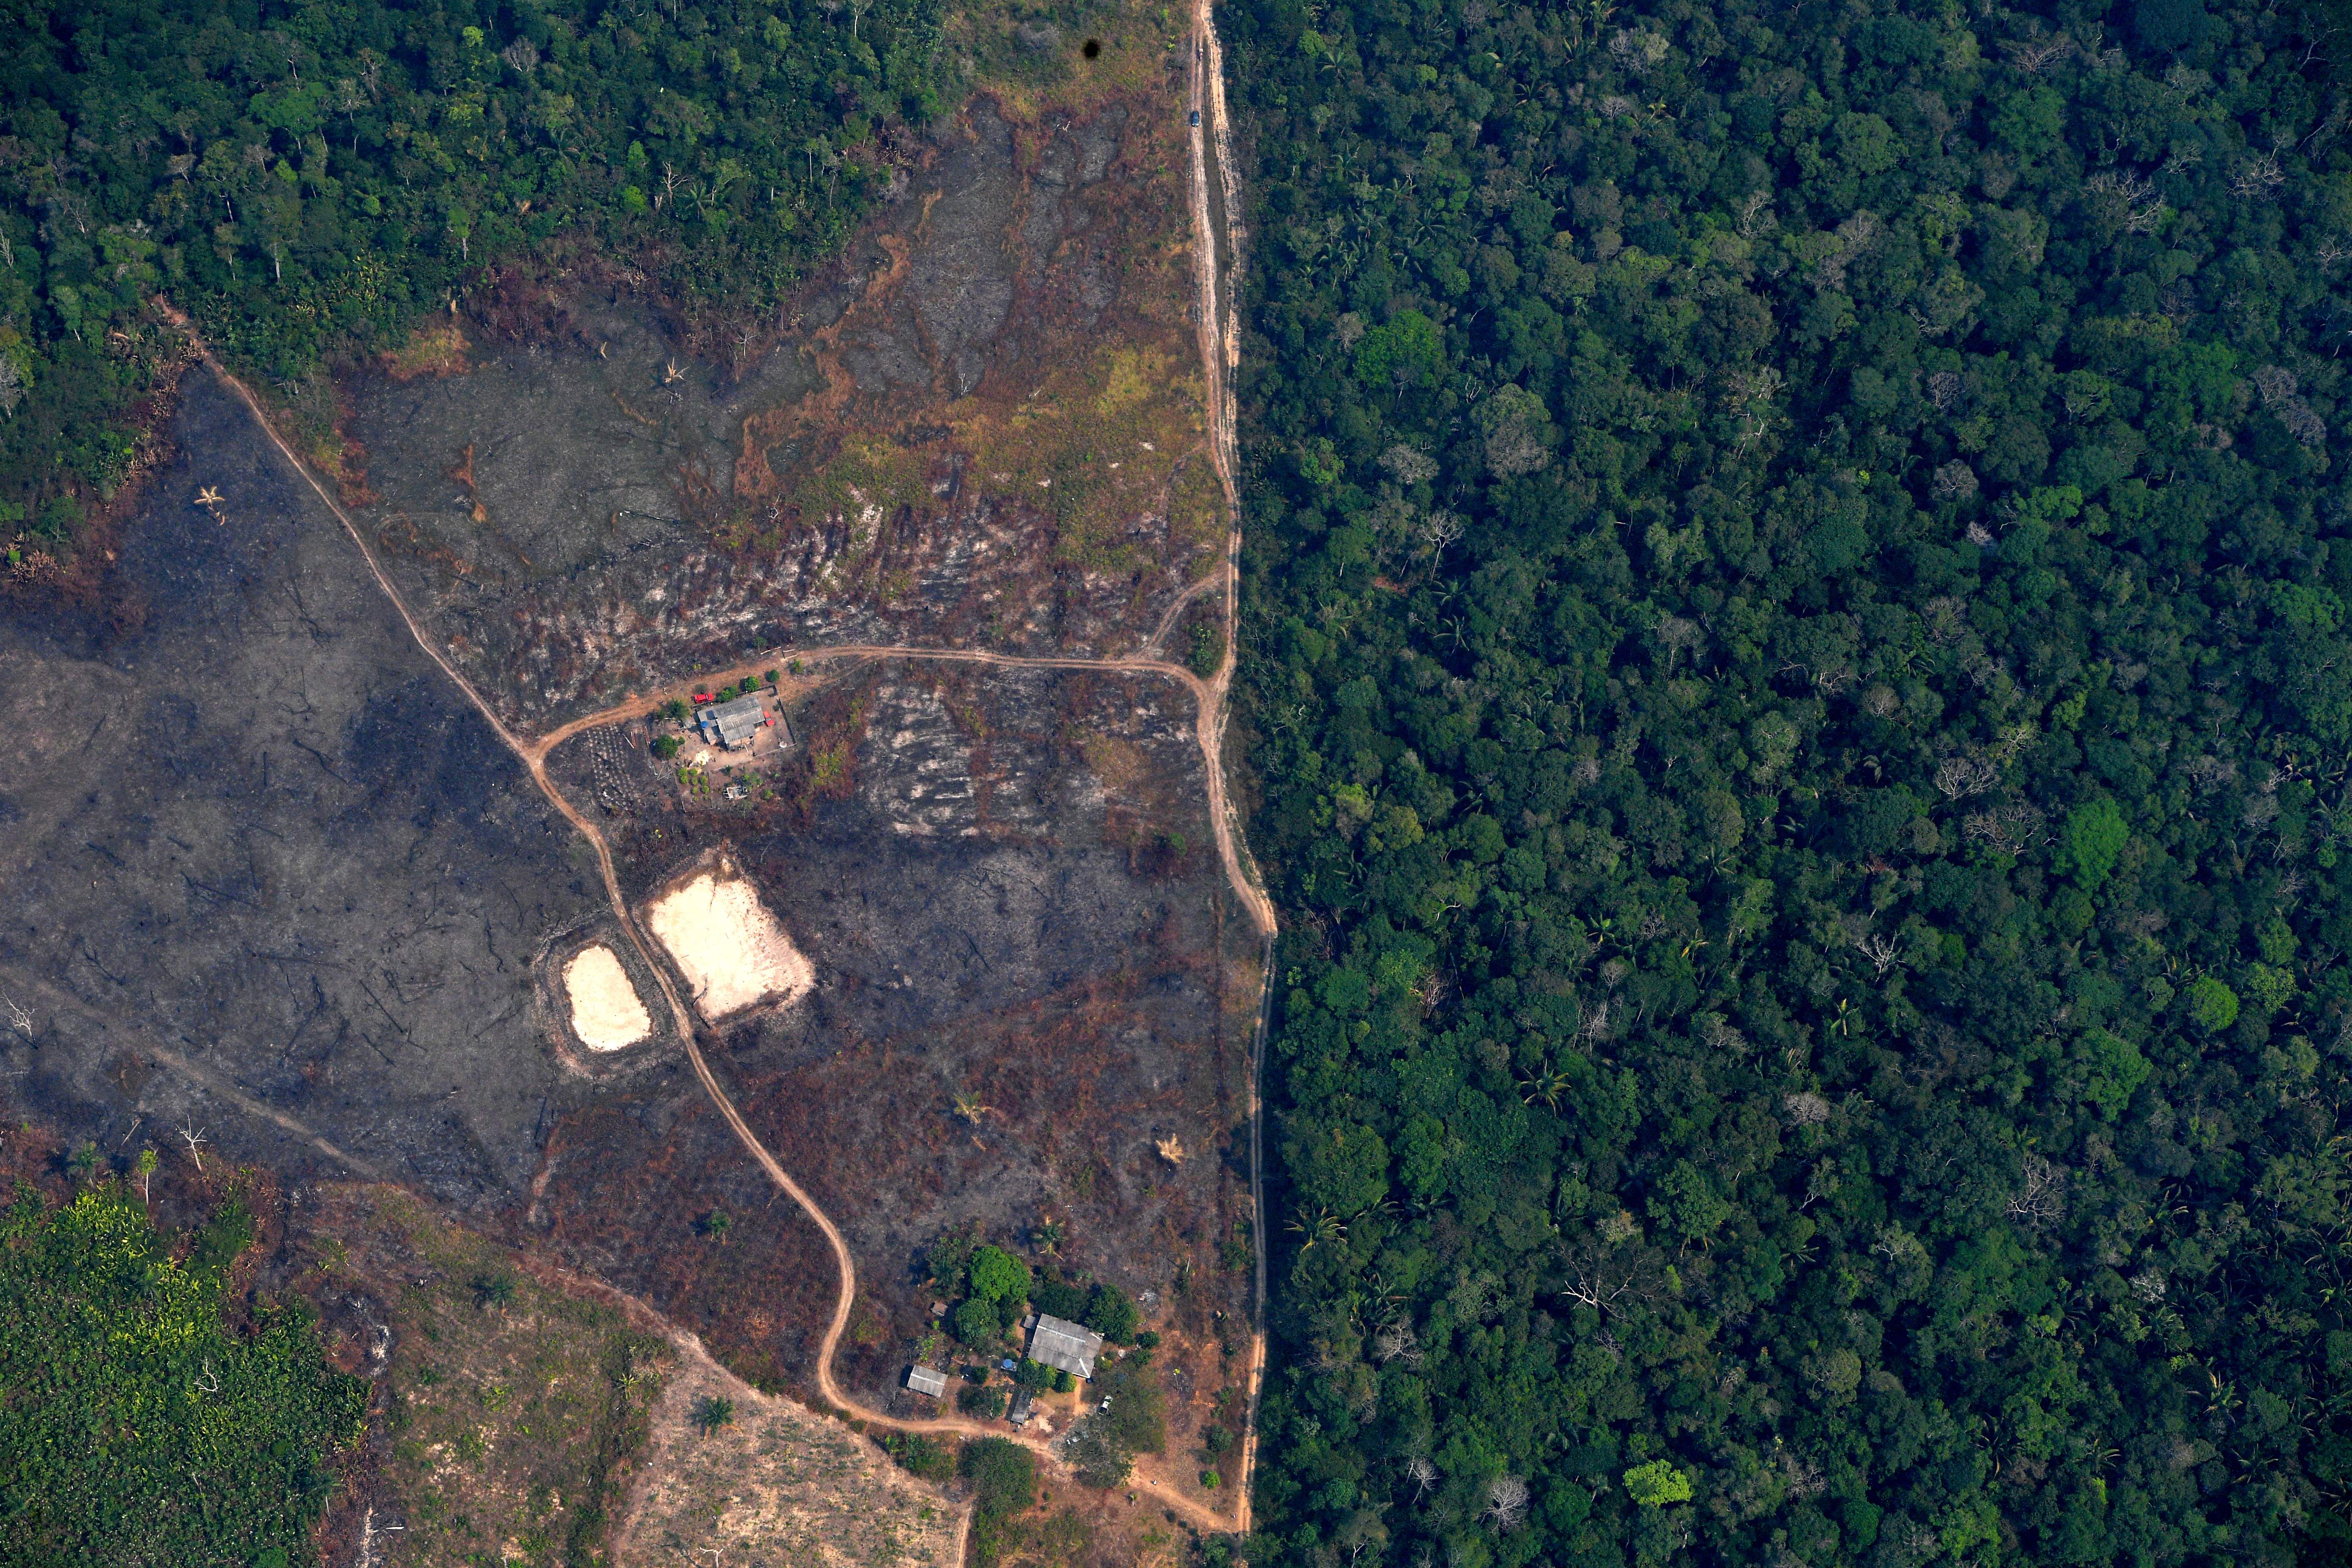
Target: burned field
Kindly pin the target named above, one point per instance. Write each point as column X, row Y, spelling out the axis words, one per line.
column 251, row 828
column 1031, row 1001
column 982, row 427
column 274, row 878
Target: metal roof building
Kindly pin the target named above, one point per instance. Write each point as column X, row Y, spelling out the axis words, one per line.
column 923, row 1380
column 1065, row 1346
column 732, row 724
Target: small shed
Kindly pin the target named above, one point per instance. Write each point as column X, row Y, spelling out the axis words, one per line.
column 923, row 1380
column 1065, row 1345
column 1024, row 1406
column 733, row 723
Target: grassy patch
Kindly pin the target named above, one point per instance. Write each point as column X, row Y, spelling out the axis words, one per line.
column 775, row 1482
column 515, row 1407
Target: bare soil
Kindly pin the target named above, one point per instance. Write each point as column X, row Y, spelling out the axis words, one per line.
column 775, row 1487
column 731, row 950
column 607, row 1014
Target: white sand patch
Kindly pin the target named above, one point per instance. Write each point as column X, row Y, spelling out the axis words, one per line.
column 731, row 951
column 605, row 1012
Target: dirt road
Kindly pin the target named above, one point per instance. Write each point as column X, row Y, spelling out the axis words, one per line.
column 1217, row 344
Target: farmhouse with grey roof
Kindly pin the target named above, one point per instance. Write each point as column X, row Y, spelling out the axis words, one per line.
column 732, row 724
column 1065, row 1346
column 924, row 1380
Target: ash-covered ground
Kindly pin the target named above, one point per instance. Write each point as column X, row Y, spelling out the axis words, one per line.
column 257, row 830
column 267, row 874
column 980, row 427
column 258, row 834
column 1028, row 1001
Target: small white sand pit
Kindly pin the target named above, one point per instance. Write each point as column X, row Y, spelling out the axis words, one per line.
column 731, row 951
column 605, row 1012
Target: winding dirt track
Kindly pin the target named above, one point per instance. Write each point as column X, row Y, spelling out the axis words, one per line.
column 1217, row 343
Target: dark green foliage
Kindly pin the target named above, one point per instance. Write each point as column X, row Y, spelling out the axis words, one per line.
column 1004, row 1477
column 226, row 1234
column 307, row 180
column 995, row 1275
column 1208, row 649
column 1059, row 1298
column 996, row 1284
column 494, row 1290
column 978, row 1324
column 925, row 1456
column 1110, row 1313
column 1817, row 872
column 667, row 746
column 711, row 1412
column 134, row 1427
column 1131, row 1417
column 986, row 1403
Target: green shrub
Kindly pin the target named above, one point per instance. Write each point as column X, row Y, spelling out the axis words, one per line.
column 1208, row 649
column 1111, row 1315
column 1004, row 1477
column 1059, row 1298
column 667, row 746
column 927, row 1458
column 226, row 1234
column 995, row 1275
column 977, row 1322
column 711, row 1412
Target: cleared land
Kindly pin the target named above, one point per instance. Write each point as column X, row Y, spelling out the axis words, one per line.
column 606, row 1011
column 774, row 1485
column 1008, row 870
column 729, row 946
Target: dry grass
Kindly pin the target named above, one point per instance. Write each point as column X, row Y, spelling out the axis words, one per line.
column 1137, row 43
column 775, row 1485
column 435, row 349
column 514, row 1407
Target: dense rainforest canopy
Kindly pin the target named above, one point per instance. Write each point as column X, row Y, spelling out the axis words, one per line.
column 1799, row 557
column 307, row 177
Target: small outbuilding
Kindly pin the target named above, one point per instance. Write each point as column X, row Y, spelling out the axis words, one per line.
column 1065, row 1346
column 923, row 1380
